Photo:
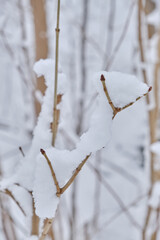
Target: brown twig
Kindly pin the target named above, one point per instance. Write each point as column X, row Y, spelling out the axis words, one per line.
column 59, row 98
column 70, row 181
column 115, row 109
column 7, row 224
column 54, row 126
column 78, row 169
column 46, row 228
column 6, row 191
column 52, row 172
column 60, row 191
column 107, row 94
column 130, row 104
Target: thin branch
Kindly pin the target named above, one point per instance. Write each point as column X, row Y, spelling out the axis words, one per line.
column 78, row 169
column 52, row 172
column 110, row 30
column 49, row 222
column 107, row 94
column 6, row 191
column 119, row 213
column 70, row 181
column 16, row 223
column 59, row 190
column 3, row 220
column 115, row 109
column 22, row 152
column 140, row 40
column 56, row 77
column 12, row 55
column 149, row 212
column 46, row 228
column 123, row 172
column 155, row 233
column 115, row 196
column 123, row 34
column 57, row 112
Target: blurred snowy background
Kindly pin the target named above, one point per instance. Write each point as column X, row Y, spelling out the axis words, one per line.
column 116, row 196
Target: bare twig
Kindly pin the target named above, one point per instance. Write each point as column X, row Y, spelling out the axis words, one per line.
column 25, row 49
column 59, row 190
column 123, row 172
column 149, row 211
column 5, row 223
column 6, row 191
column 119, row 213
column 97, row 193
column 110, row 30
column 115, row 196
column 12, row 55
column 142, row 56
column 123, row 34
column 115, row 109
column 46, row 228
column 52, row 172
column 56, row 77
column 107, row 94
column 70, row 181
column 78, row 169
column 48, row 224
column 155, row 233
column 21, row 150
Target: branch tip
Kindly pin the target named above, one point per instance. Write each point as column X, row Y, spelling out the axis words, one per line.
column 42, row 151
column 21, row 150
column 102, row 78
column 150, row 89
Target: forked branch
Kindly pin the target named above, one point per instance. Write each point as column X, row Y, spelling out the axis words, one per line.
column 59, row 190
column 70, row 181
column 115, row 109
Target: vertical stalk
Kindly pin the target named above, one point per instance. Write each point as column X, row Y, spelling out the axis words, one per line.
column 41, row 43
column 49, row 222
column 83, row 66
column 143, row 60
column 54, row 125
column 153, row 114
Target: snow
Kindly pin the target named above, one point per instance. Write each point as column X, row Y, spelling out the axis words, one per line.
column 154, row 18
column 34, row 173
column 155, row 148
column 123, row 88
column 127, row 151
column 42, row 133
column 33, row 237
column 64, row 162
column 154, row 201
column 23, row 197
column 44, row 191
